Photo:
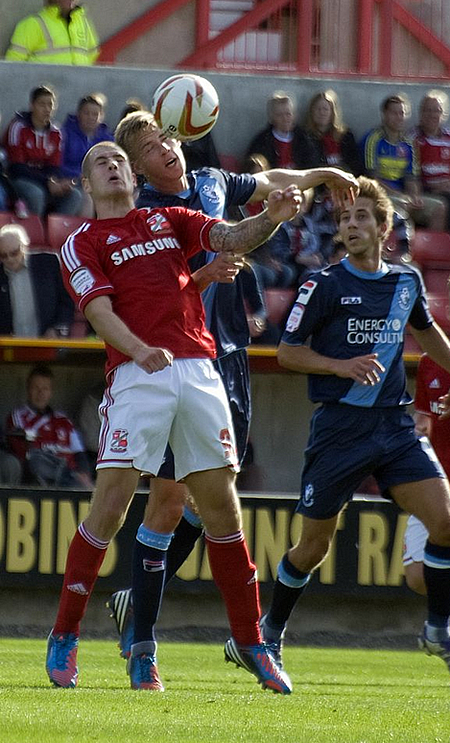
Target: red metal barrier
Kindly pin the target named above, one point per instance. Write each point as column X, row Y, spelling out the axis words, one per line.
column 387, row 38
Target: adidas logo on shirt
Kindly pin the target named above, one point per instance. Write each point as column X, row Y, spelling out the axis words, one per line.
column 112, row 239
column 435, row 384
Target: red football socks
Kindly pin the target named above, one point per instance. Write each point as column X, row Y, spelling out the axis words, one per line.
column 84, row 560
column 235, row 577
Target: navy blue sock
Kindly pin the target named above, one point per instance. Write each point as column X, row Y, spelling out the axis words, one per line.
column 289, row 586
column 149, row 564
column 185, row 536
column 436, row 570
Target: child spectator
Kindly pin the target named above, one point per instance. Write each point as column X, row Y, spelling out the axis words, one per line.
column 34, row 146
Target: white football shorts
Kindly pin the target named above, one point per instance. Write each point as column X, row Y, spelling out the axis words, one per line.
column 415, row 538
column 184, row 404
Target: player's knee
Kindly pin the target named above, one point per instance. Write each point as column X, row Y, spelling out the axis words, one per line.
column 308, row 554
column 439, row 533
column 414, row 578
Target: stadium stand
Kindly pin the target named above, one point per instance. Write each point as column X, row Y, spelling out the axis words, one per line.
column 59, row 226
column 32, row 224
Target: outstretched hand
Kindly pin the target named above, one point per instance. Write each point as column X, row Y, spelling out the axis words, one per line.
column 282, row 206
column 343, row 186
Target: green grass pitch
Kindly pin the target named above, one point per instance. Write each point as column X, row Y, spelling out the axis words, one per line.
column 340, row 696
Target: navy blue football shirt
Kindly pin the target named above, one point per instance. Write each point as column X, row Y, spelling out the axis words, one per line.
column 347, row 313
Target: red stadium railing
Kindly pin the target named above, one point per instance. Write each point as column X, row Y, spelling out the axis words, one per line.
column 386, row 38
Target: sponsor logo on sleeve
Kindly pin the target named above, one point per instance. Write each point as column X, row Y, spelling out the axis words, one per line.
column 82, row 281
column 295, row 318
column 305, row 292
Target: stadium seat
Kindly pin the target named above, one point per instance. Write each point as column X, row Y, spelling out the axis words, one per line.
column 436, row 281
column 431, row 249
column 79, row 327
column 278, row 303
column 59, row 227
column 32, row 224
column 439, row 307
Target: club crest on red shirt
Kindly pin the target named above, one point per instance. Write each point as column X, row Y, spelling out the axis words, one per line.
column 158, row 223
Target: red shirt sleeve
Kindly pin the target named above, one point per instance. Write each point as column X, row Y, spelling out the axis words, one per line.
column 82, row 272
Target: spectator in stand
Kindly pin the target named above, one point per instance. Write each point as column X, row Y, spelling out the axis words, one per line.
column 290, row 253
column 432, row 141
column 34, row 147
column 82, row 130
column 282, row 142
column 61, row 33
column 254, row 163
column 131, row 106
column 79, row 133
column 33, row 300
column 9, row 199
column 432, row 383
column 201, row 153
column 45, row 440
column 332, row 143
column 389, row 156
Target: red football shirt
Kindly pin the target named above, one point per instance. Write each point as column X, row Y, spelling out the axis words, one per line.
column 434, row 157
column 432, row 381
column 140, row 261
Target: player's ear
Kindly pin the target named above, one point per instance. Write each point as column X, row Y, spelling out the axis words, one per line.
column 134, row 177
column 86, row 185
column 136, row 167
column 382, row 229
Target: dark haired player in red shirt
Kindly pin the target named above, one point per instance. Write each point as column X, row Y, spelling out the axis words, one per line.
column 128, row 272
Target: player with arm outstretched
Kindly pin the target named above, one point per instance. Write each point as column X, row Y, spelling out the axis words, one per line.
column 160, row 162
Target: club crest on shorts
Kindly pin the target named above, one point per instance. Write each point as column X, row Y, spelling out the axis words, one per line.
column 308, row 496
column 119, row 440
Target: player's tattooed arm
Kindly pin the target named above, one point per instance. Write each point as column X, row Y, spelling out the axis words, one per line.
column 246, row 235
column 242, row 237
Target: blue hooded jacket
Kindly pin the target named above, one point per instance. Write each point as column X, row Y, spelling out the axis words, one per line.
column 76, row 143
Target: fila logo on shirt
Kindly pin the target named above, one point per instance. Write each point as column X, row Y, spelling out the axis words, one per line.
column 351, row 300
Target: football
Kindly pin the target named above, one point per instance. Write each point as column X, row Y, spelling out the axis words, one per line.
column 185, row 107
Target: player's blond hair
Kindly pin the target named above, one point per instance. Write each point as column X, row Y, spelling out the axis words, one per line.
column 130, row 127
column 383, row 207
